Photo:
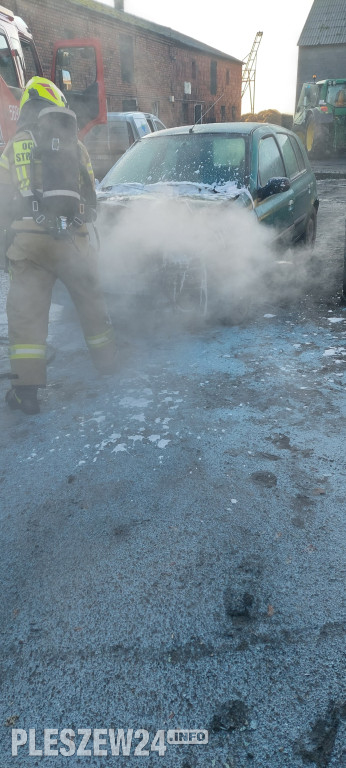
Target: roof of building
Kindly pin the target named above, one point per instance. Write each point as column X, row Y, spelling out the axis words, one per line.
column 173, row 36
column 325, row 24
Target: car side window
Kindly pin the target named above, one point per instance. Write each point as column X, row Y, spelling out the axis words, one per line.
column 119, row 138
column 141, row 125
column 157, row 125
column 7, row 68
column 270, row 164
column 290, row 160
column 299, row 154
column 114, row 136
column 31, row 67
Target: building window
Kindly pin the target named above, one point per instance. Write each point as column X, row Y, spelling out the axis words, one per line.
column 213, row 77
column 223, row 113
column 185, row 112
column 193, row 70
column 234, row 112
column 126, row 58
column 130, row 105
column 227, row 77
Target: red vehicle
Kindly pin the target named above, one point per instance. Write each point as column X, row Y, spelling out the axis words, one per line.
column 77, row 69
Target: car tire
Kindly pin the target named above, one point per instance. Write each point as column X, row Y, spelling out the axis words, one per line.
column 310, row 263
column 309, row 236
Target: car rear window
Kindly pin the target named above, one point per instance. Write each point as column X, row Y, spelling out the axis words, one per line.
column 206, row 159
column 120, row 135
column 114, row 137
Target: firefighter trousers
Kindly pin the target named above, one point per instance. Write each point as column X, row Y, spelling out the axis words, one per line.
column 36, row 260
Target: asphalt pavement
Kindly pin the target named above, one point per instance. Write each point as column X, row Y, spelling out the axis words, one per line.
column 329, row 168
column 173, row 537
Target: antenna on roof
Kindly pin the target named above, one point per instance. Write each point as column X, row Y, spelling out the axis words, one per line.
column 204, row 114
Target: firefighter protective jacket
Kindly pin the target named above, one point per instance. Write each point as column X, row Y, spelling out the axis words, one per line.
column 15, row 180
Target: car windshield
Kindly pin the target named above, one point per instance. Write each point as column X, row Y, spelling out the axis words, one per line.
column 198, row 158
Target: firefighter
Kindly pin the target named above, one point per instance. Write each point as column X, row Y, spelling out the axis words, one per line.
column 39, row 254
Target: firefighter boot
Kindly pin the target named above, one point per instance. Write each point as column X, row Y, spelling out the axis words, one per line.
column 24, row 399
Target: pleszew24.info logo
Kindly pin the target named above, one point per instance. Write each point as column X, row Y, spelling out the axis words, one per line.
column 101, row 742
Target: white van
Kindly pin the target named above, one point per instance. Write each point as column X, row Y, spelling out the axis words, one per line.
column 106, row 143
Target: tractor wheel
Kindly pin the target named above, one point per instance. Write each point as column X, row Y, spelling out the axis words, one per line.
column 316, row 138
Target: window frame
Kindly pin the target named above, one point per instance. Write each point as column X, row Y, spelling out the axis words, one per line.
column 127, row 58
column 261, row 140
column 28, row 45
column 13, row 67
column 298, row 170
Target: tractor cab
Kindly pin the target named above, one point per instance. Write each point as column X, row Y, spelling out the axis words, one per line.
column 309, row 96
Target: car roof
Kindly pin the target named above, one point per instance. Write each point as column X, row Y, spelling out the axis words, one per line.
column 227, row 128
column 330, row 80
column 124, row 115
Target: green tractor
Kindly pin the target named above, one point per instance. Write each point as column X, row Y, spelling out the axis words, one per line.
column 320, row 119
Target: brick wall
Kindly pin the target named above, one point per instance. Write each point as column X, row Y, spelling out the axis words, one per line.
column 161, row 65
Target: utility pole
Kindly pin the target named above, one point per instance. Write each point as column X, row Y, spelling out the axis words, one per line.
column 249, row 72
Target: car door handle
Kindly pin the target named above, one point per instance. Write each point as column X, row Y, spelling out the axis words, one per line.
column 290, row 204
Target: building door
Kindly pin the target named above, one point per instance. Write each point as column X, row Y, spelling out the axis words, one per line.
column 198, row 113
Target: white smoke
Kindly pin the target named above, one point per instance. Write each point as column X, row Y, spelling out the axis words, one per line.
column 210, row 258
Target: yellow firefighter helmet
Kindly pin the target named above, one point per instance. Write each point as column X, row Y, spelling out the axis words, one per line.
column 44, row 89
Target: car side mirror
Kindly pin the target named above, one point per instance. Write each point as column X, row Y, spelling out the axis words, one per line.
column 273, row 187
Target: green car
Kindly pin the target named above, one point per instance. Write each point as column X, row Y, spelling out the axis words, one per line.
column 264, row 168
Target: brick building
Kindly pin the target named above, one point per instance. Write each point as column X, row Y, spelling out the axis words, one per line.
column 147, row 66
